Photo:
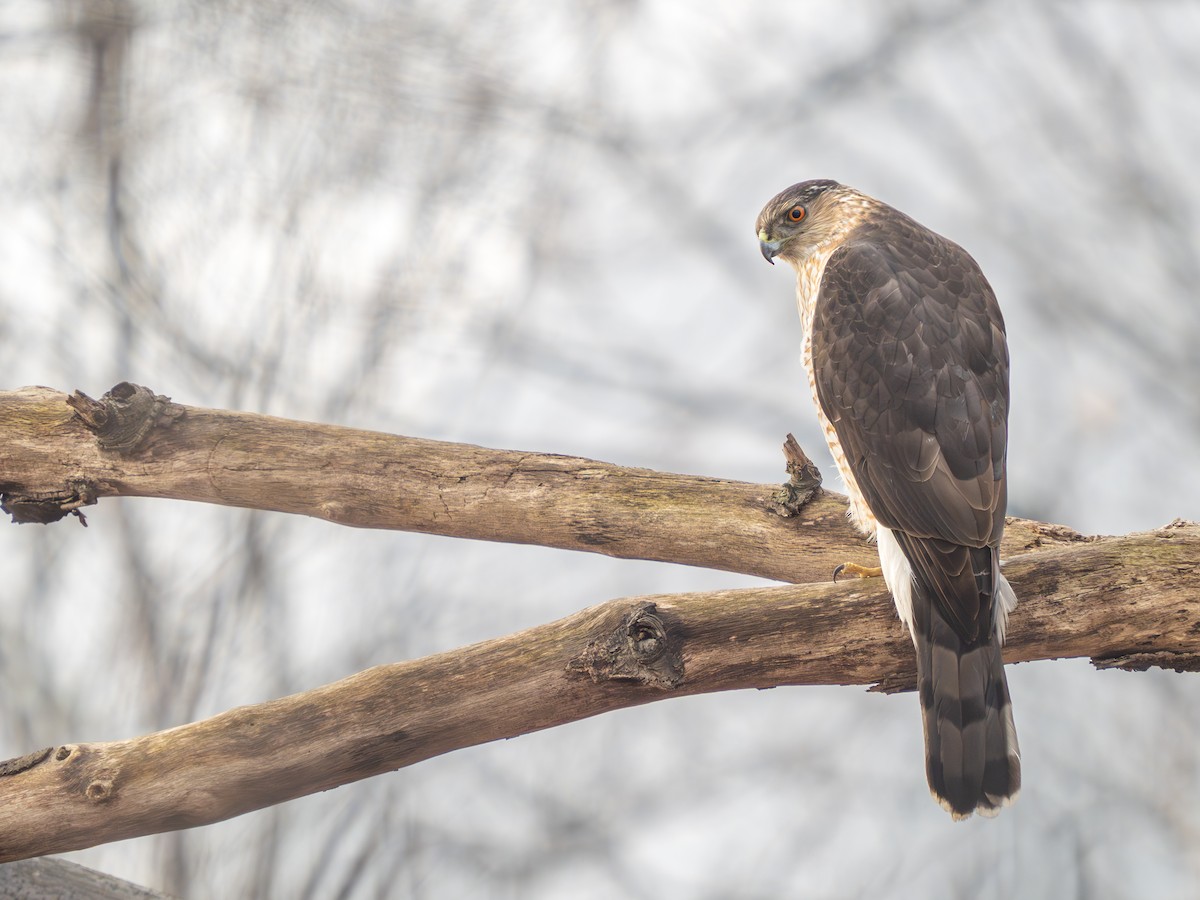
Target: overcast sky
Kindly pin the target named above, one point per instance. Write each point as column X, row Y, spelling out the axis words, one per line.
column 531, row 226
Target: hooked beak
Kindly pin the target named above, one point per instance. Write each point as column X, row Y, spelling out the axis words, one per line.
column 770, row 249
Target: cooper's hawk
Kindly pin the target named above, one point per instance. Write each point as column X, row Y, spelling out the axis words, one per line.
column 906, row 356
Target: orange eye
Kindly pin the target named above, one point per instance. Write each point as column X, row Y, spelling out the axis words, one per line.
column 797, row 213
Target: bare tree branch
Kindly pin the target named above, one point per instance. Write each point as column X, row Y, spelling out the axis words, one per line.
column 1129, row 602
column 58, row 879
column 58, row 453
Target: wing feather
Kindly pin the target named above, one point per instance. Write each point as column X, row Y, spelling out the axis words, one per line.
column 911, row 368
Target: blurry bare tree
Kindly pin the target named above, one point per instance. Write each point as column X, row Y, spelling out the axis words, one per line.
column 529, row 225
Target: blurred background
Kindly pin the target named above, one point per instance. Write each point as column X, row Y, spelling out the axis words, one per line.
column 530, row 226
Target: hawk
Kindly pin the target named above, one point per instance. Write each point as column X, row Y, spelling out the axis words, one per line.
column 906, row 356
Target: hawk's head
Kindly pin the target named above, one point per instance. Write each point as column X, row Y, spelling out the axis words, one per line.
column 798, row 219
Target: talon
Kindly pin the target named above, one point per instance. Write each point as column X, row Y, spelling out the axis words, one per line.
column 849, row 568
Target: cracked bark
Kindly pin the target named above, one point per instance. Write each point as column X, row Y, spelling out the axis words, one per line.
column 1127, row 602
column 55, row 457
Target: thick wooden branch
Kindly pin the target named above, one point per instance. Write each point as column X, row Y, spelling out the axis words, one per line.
column 57, row 879
column 1130, row 602
column 60, row 452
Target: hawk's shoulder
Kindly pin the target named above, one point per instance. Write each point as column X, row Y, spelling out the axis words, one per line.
column 911, row 368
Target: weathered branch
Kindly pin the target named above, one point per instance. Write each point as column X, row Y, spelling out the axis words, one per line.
column 1132, row 601
column 1128, row 602
column 57, row 879
column 58, row 453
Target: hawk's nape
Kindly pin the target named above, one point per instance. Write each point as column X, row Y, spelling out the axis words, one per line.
column 908, row 363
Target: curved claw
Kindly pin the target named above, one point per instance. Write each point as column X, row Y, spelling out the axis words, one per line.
column 851, row 568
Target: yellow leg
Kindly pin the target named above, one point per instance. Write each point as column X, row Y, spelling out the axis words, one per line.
column 849, row 568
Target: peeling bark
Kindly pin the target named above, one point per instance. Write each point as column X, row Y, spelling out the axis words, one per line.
column 1131, row 601
column 1127, row 602
column 58, row 453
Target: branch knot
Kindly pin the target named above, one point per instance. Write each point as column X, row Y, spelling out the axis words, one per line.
column 124, row 417
column 804, row 481
column 640, row 649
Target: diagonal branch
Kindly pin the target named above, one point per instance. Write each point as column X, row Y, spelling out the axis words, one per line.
column 58, row 453
column 1129, row 602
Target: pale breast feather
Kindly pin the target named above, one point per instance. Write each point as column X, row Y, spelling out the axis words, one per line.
column 808, row 281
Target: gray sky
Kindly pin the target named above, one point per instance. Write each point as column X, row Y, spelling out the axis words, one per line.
column 531, row 226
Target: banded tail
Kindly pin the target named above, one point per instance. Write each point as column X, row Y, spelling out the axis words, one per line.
column 972, row 758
